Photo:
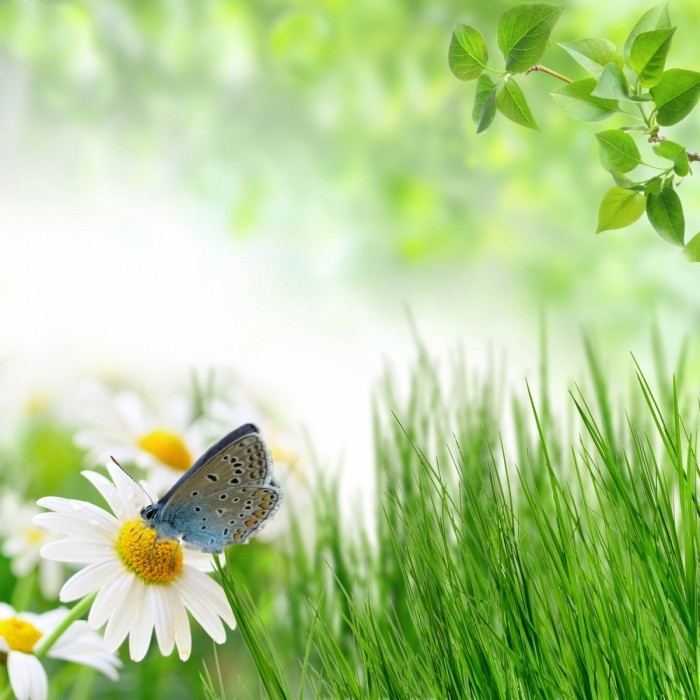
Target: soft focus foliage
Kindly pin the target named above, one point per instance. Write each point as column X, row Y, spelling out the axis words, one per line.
column 335, row 131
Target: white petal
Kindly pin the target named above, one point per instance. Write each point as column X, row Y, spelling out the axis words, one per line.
column 75, row 631
column 130, row 412
column 181, row 625
column 98, row 521
column 4, row 647
column 50, row 578
column 102, row 661
column 140, row 636
column 165, row 634
column 78, row 550
column 108, row 492
column 210, row 593
column 110, row 599
column 123, row 618
column 82, row 645
column 48, row 621
column 25, row 562
column 27, row 676
column 195, row 603
column 90, row 579
column 6, row 611
column 200, row 560
column 130, row 495
column 72, row 526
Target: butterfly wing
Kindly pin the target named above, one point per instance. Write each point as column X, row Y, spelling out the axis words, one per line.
column 216, row 526
column 227, row 496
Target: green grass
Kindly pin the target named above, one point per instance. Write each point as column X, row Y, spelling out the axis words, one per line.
column 563, row 563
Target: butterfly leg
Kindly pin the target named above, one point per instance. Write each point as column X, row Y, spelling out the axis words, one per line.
column 176, row 548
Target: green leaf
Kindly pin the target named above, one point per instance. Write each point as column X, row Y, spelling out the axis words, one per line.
column 676, row 94
column 593, row 54
column 624, row 182
column 484, row 103
column 648, row 56
column 578, row 102
column 692, row 248
column 656, row 18
column 468, row 53
column 612, row 84
column 523, row 33
column 665, row 213
column 618, row 151
column 654, row 186
column 512, row 104
column 619, row 208
column 676, row 153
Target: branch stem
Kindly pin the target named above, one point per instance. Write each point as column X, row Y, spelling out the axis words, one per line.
column 548, row 71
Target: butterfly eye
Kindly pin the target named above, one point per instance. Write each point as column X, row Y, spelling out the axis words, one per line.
column 149, row 514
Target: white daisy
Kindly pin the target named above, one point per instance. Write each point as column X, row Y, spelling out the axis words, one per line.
column 143, row 583
column 23, row 540
column 122, row 426
column 22, row 634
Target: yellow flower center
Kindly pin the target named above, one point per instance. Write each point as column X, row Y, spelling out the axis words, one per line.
column 167, row 447
column 19, row 635
column 33, row 536
column 153, row 561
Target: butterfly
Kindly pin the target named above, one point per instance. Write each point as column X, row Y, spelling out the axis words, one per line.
column 225, row 498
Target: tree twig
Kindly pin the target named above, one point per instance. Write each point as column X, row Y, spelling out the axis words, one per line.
column 548, row 71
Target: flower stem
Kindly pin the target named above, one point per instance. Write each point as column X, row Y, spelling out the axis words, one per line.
column 74, row 614
column 7, row 690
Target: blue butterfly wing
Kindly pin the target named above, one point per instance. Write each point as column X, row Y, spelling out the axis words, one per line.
column 227, row 496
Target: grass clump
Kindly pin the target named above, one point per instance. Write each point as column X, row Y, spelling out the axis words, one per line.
column 552, row 562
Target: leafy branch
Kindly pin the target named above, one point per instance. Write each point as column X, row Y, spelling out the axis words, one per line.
column 633, row 83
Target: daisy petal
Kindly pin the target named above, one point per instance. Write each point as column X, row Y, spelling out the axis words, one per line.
column 6, row 611
column 27, row 676
column 194, row 602
column 109, row 493
column 210, row 593
column 140, row 635
column 165, row 634
column 70, row 525
column 124, row 617
column 110, row 598
column 77, row 550
column 87, row 513
column 90, row 579
column 181, row 625
column 71, row 636
column 103, row 662
column 80, row 644
column 48, row 621
column 202, row 560
column 129, row 493
column 50, row 578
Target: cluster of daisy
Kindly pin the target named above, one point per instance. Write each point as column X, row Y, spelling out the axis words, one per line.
column 134, row 586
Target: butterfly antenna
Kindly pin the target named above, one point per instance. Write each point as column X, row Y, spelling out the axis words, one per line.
column 132, row 478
